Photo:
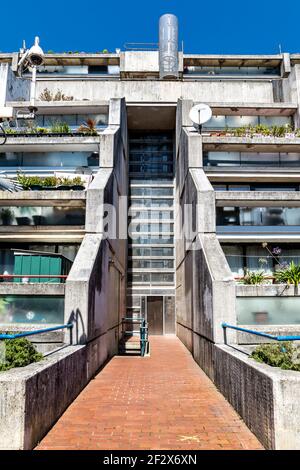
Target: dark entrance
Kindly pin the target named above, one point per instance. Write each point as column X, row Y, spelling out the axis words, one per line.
column 155, row 313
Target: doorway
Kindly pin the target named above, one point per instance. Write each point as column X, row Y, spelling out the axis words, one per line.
column 155, row 315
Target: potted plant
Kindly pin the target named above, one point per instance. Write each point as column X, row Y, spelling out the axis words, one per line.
column 289, row 275
column 88, row 127
column 253, row 278
column 6, row 216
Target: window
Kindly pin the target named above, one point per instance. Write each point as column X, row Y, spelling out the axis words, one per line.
column 231, row 71
column 232, row 122
column 225, row 159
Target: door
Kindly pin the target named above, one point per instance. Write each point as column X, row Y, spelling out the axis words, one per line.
column 155, row 313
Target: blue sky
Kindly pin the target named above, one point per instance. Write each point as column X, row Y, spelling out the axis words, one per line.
column 216, row 27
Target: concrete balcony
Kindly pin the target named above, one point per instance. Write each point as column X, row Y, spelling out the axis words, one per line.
column 46, row 143
column 255, row 143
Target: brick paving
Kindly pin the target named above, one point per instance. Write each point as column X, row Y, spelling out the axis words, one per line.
column 161, row 402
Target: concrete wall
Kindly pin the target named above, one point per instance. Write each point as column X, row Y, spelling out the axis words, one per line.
column 32, row 398
column 254, row 91
column 205, row 289
column 266, row 397
column 95, row 288
column 11, row 87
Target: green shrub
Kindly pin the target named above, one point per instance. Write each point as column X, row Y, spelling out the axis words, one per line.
column 49, row 181
column 60, row 128
column 253, row 277
column 19, row 352
column 281, row 355
column 289, row 275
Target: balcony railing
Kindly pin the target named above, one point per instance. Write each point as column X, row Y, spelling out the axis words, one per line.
column 41, row 216
column 247, row 218
column 26, row 266
column 31, row 309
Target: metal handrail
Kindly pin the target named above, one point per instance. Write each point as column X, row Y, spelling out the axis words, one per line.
column 259, row 333
column 142, row 331
column 36, row 332
column 132, row 320
column 144, row 338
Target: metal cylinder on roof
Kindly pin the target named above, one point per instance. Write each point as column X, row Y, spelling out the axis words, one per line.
column 168, row 46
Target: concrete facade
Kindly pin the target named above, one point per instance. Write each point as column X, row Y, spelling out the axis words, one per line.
column 135, row 100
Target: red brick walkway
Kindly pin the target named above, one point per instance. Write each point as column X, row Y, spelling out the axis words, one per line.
column 161, row 402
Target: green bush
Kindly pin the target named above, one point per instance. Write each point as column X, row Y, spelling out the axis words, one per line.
column 60, row 128
column 253, row 277
column 19, row 352
column 289, row 275
column 49, row 181
column 281, row 355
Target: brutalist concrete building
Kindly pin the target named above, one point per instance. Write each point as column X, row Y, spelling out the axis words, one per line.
column 122, row 208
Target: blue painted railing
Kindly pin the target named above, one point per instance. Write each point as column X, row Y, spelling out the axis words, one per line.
column 144, row 338
column 36, row 332
column 142, row 332
column 259, row 333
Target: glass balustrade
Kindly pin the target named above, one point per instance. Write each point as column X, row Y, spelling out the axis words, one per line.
column 204, row 70
column 248, row 159
column 55, row 160
column 74, row 121
column 34, row 215
column 31, row 309
column 232, row 122
column 268, row 310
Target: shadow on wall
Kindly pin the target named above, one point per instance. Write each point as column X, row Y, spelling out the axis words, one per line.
column 76, row 319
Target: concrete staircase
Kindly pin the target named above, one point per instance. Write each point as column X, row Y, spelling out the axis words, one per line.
column 130, row 346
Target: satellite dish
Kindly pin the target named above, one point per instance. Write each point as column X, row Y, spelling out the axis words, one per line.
column 199, row 114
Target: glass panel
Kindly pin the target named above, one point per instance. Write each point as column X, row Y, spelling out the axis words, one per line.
column 258, row 216
column 34, row 215
column 152, row 264
column 151, row 228
column 259, row 159
column 151, row 191
column 268, row 310
column 151, row 155
column 151, row 241
column 31, row 309
column 241, row 121
column 275, row 120
column 222, row 158
column 219, row 187
column 251, row 159
column 216, row 122
column 49, row 159
column 238, row 187
column 152, row 202
column 258, row 260
column 151, row 215
column 231, row 71
column 151, row 251
column 234, row 256
column 290, row 159
column 162, row 277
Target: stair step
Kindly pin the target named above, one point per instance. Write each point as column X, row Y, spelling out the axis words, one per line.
column 127, row 347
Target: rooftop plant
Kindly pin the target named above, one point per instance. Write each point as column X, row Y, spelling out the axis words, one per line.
column 19, row 352
column 50, row 181
column 88, row 127
column 275, row 131
column 253, row 277
column 289, row 274
column 48, row 95
column 60, row 128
